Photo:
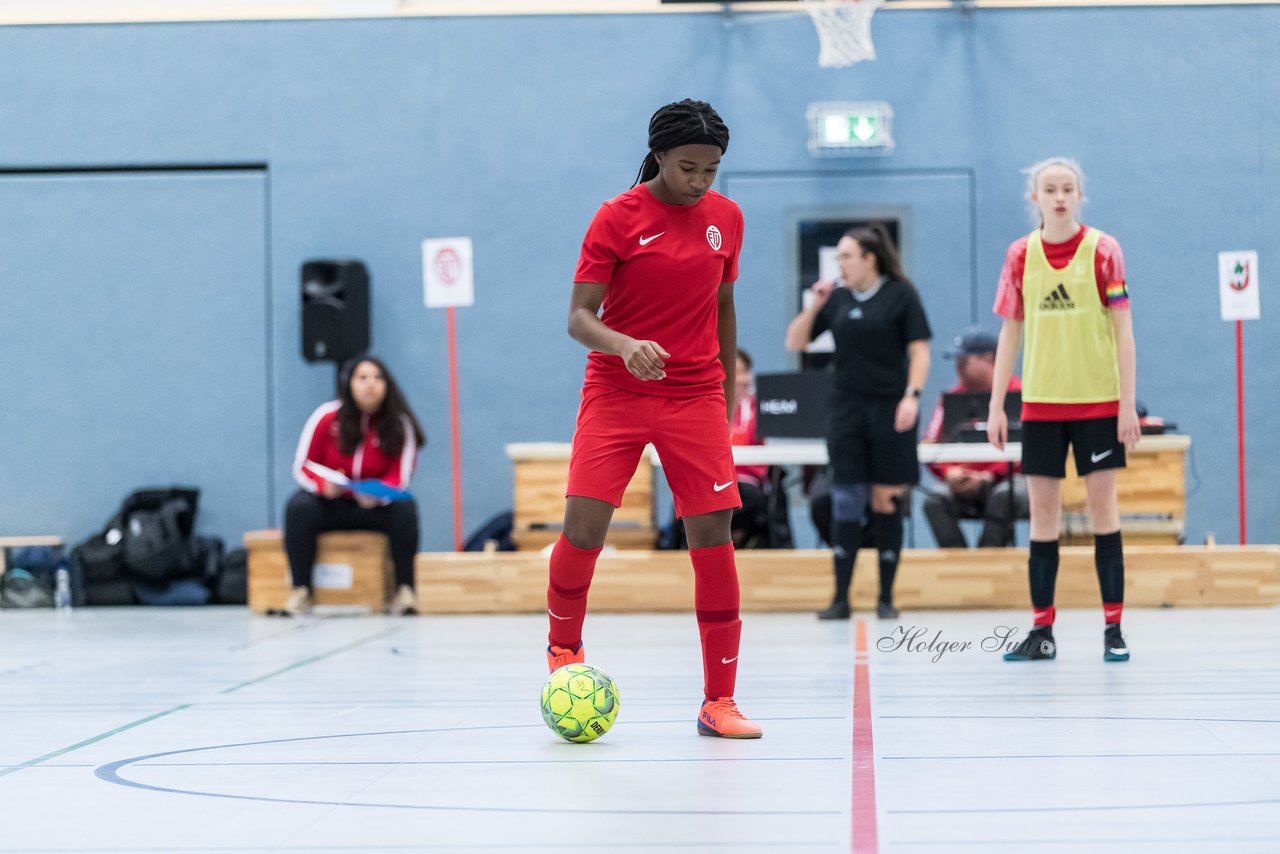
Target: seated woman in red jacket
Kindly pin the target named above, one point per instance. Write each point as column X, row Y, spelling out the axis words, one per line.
column 368, row 433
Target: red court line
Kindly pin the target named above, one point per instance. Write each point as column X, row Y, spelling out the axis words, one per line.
column 865, row 839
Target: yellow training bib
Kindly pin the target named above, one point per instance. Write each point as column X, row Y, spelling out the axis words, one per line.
column 1069, row 353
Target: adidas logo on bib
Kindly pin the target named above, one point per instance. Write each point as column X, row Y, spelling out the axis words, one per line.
column 1057, row 300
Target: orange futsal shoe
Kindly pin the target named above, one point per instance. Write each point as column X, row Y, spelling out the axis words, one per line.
column 558, row 656
column 721, row 718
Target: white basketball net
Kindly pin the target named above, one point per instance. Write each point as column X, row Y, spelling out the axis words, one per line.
column 844, row 30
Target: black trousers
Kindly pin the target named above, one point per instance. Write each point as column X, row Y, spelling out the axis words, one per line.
column 308, row 515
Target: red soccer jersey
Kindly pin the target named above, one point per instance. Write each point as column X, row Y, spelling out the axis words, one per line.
column 1108, row 271
column 663, row 265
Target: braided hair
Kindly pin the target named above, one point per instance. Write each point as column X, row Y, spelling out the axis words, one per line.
column 686, row 122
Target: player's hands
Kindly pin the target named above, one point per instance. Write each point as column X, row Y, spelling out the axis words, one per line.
column 368, row 502
column 904, row 418
column 645, row 359
column 821, row 291
column 1127, row 428
column 997, row 428
column 965, row 483
column 330, row 490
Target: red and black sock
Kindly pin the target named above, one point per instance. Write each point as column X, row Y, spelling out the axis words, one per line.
column 571, row 571
column 716, row 599
column 1043, row 571
column 1108, row 559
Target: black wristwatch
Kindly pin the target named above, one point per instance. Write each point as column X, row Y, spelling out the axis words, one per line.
column 912, row 392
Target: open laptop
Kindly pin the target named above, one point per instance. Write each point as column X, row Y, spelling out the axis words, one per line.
column 964, row 415
column 793, row 405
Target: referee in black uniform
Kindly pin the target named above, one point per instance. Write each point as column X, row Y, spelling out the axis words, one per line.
column 881, row 361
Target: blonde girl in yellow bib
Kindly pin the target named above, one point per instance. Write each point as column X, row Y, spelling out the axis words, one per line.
column 1064, row 299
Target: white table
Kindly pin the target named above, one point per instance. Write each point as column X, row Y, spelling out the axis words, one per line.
column 815, row 453
column 797, row 453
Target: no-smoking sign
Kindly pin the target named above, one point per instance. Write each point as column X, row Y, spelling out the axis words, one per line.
column 447, row 272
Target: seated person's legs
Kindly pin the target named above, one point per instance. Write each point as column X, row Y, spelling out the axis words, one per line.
column 944, row 516
column 997, row 528
column 818, row 490
column 303, row 521
column 308, row 515
column 399, row 521
column 749, row 519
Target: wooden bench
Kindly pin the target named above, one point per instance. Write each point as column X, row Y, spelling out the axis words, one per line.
column 1151, row 492
column 541, row 470
column 800, row 580
column 352, row 568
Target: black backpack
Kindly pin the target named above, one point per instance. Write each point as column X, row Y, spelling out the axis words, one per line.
column 148, row 539
column 157, row 541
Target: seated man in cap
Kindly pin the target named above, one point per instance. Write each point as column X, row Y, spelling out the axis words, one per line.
column 973, row 490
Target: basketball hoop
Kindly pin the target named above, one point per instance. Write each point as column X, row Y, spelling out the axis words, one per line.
column 844, row 30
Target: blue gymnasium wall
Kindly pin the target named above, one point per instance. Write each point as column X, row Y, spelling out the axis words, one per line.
column 370, row 135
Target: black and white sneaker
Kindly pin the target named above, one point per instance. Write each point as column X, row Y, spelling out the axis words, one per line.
column 1113, row 647
column 1038, row 646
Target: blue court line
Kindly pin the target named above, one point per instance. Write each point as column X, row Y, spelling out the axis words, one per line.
column 1107, row 808
column 1048, row 841
column 397, row 763
column 1074, row 718
column 13, row 769
column 110, row 773
column 1085, row 756
column 612, row 845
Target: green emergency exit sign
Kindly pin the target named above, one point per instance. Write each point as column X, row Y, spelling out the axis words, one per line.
column 838, row 127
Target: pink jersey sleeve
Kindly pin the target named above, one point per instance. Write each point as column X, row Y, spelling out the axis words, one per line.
column 1009, row 291
column 1109, row 269
column 599, row 250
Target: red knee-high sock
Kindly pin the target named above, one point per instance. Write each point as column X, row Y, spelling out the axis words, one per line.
column 715, row 597
column 571, row 571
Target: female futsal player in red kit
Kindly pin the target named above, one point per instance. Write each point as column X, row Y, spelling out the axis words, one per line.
column 661, row 259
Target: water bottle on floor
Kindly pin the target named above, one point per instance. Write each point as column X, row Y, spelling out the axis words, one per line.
column 62, row 590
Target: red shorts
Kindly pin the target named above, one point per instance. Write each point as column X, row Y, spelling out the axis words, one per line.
column 690, row 433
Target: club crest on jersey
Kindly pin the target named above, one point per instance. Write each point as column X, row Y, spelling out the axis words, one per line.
column 713, row 237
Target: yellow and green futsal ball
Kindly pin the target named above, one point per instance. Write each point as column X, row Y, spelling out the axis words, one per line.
column 579, row 702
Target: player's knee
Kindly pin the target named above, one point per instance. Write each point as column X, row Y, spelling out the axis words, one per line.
column 849, row 501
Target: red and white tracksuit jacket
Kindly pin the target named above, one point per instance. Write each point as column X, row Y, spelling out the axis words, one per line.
column 320, row 443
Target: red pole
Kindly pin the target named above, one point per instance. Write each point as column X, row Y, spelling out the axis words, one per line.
column 453, row 426
column 1240, row 421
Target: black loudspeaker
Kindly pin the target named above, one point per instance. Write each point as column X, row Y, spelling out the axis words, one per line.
column 335, row 310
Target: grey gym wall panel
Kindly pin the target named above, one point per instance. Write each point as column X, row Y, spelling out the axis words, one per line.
column 133, row 340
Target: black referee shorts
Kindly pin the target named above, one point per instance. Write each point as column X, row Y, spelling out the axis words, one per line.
column 1093, row 440
column 864, row 447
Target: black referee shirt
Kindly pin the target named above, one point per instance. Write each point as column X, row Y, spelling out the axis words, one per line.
column 872, row 337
